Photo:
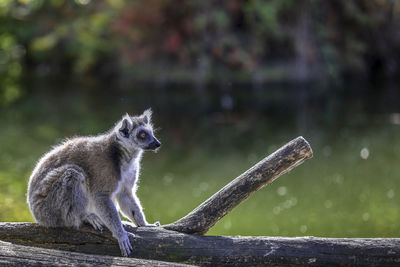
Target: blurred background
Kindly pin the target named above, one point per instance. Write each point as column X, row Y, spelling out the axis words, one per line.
column 229, row 82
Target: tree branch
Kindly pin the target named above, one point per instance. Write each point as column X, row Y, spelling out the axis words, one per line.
column 157, row 243
column 201, row 219
column 17, row 255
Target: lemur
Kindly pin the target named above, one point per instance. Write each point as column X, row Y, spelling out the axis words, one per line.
column 79, row 180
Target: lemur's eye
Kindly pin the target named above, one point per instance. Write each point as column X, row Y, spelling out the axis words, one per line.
column 143, row 134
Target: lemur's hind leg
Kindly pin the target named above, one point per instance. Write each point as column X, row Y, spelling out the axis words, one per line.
column 94, row 220
column 62, row 198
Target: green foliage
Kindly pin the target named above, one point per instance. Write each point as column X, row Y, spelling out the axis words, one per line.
column 231, row 40
column 10, row 68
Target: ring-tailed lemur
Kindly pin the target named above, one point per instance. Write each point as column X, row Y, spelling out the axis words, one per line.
column 78, row 180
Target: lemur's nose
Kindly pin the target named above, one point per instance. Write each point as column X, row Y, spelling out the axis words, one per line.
column 154, row 144
column 157, row 143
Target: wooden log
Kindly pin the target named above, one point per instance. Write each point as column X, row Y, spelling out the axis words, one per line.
column 161, row 244
column 17, row 255
column 201, row 219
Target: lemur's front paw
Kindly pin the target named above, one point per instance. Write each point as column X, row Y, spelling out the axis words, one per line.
column 125, row 245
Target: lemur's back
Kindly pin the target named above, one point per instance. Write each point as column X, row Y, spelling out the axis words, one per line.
column 91, row 154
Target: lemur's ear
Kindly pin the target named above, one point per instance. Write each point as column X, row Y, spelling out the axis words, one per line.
column 126, row 125
column 147, row 115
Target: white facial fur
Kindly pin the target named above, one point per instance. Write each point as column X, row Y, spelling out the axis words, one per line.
column 137, row 132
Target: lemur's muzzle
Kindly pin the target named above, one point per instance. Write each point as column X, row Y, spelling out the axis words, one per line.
column 154, row 145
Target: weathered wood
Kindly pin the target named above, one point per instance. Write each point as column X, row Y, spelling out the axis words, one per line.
column 161, row 244
column 17, row 255
column 201, row 219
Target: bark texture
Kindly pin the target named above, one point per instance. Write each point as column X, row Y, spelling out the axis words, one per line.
column 17, row 255
column 161, row 244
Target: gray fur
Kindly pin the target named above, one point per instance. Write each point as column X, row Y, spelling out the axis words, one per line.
column 78, row 180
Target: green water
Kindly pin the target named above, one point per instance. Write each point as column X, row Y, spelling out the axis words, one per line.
column 350, row 188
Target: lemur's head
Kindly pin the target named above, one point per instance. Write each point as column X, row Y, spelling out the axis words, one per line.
column 137, row 132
